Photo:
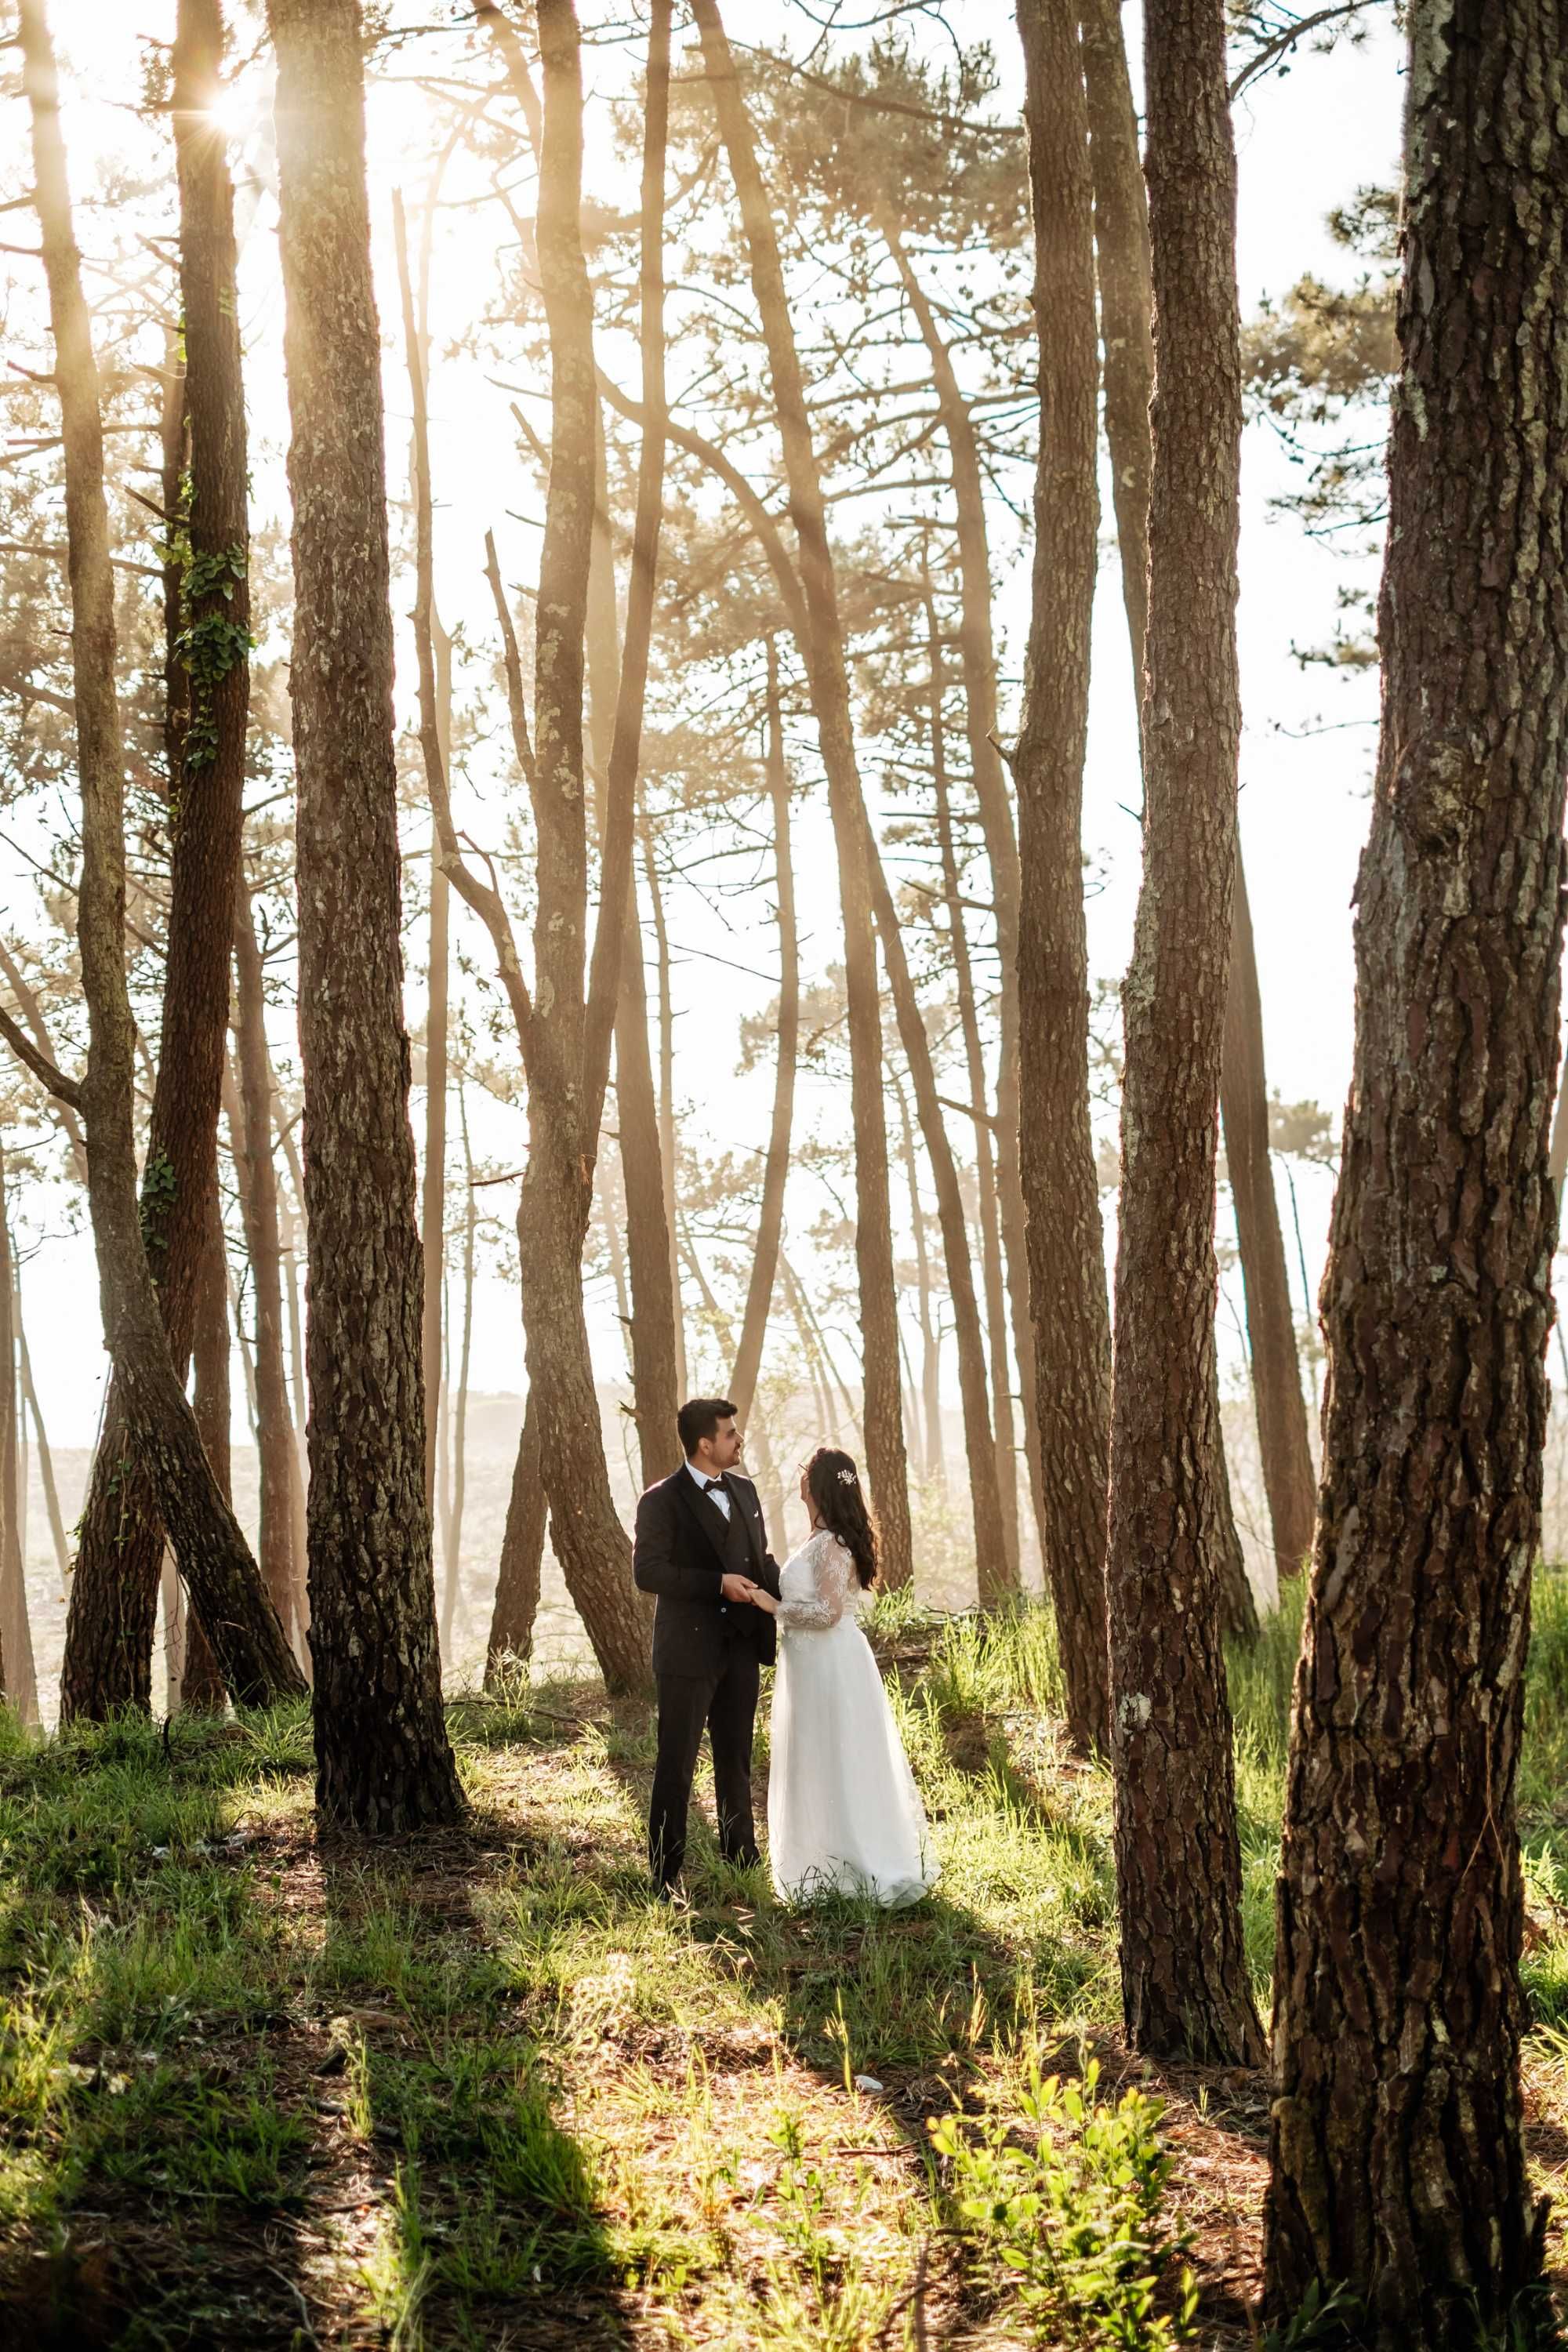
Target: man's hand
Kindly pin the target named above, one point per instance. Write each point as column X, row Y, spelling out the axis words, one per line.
column 737, row 1588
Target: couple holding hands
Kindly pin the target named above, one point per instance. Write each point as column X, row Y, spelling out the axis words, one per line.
column 844, row 1816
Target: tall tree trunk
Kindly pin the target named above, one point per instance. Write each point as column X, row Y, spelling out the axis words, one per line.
column 1184, row 1968
column 665, row 1089
column 521, row 1553
column 974, row 1065
column 927, row 1422
column 201, row 1683
column 435, row 744
column 383, row 1759
column 775, row 1167
column 17, row 1677
column 1398, row 2147
column 41, row 1437
column 566, row 1054
column 433, row 1197
column 832, row 1379
column 1067, row 1248
column 991, row 1565
column 823, row 650
column 977, row 662
column 256, row 1180
column 107, row 1662
column 1277, row 1388
column 291, row 1217
column 1122, row 250
column 452, row 1528
column 656, row 1395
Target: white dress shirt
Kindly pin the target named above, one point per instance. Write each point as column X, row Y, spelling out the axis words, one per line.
column 718, row 1494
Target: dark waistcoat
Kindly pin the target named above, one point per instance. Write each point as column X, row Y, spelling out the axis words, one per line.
column 735, row 1543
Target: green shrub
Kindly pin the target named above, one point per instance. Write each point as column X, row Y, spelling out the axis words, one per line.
column 1075, row 2215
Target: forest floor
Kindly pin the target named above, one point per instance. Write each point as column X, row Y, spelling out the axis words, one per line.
column 260, row 2087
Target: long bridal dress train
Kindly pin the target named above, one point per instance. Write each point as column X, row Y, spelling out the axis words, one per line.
column 844, row 1814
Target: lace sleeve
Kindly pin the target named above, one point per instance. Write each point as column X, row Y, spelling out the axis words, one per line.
column 832, row 1568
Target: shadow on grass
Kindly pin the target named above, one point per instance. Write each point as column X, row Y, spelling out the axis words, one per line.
column 489, row 2228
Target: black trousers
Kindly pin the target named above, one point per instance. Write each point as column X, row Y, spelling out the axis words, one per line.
column 727, row 1703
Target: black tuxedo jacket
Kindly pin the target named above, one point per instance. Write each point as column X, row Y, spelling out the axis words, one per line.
column 678, row 1553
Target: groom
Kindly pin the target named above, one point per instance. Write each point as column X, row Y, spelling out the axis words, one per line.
column 700, row 1546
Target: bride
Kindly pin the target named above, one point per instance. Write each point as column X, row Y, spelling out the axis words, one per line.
column 843, row 1817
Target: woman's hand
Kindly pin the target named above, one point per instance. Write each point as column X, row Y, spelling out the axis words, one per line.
column 763, row 1601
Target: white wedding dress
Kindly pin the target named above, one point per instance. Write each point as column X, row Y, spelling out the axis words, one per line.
column 844, row 1814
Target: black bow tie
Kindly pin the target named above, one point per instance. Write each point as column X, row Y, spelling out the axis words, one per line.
column 712, row 1485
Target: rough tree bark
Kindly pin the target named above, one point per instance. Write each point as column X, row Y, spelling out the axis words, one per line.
column 1184, row 1968
column 1122, row 253
column 748, row 1360
column 383, row 1759
column 1061, row 1190
column 1399, row 2155
column 822, row 647
column 109, row 1662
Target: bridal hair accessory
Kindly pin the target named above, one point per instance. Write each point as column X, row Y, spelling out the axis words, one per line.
column 846, row 1478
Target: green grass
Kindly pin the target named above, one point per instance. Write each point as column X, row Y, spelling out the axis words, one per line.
column 257, row 2089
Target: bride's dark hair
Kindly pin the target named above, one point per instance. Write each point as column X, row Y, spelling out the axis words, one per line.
column 834, row 1484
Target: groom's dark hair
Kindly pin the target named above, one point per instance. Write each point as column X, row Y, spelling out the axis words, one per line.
column 699, row 1417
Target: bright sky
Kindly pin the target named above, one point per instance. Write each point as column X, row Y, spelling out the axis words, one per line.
column 1306, row 142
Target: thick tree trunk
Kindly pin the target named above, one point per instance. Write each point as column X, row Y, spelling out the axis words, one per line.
column 255, row 1180
column 988, row 1199
column 977, row 661
column 521, row 1552
column 1276, row 1390
column 383, row 1759
column 775, row 1167
column 822, row 649
column 1183, row 1968
column 17, row 1677
column 1398, row 2152
column 1122, row 250
column 109, row 1652
column 1066, row 1249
